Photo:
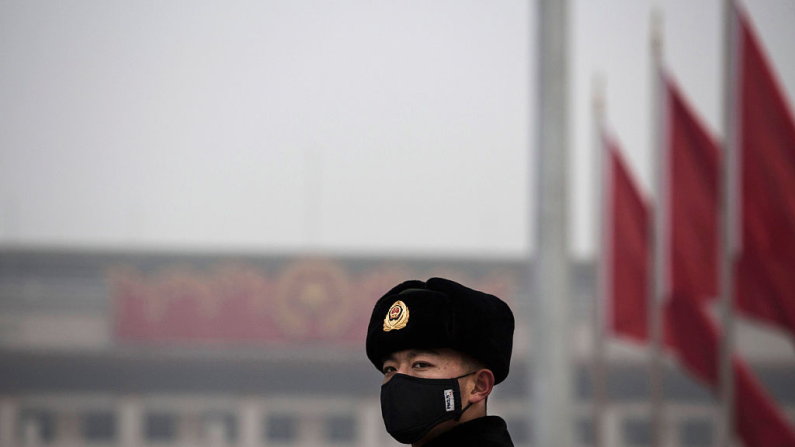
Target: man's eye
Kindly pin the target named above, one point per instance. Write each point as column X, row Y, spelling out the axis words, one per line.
column 420, row 365
column 389, row 369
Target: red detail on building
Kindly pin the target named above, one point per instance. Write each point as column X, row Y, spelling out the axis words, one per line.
column 307, row 302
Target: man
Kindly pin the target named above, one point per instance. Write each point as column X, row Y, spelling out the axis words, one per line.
column 441, row 347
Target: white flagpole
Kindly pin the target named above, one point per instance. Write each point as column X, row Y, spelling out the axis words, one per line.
column 725, row 436
column 601, row 293
column 552, row 364
column 658, row 282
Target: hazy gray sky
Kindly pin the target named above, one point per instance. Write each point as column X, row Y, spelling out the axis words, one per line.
column 611, row 37
column 349, row 126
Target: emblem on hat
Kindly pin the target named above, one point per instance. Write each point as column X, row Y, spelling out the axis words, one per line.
column 397, row 317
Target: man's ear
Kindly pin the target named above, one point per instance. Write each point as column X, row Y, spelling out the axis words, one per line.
column 484, row 383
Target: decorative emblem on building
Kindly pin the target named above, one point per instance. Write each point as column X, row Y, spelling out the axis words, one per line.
column 304, row 301
column 313, row 300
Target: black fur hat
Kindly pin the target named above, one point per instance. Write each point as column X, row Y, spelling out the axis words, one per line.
column 440, row 314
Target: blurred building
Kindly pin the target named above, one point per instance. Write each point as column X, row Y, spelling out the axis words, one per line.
column 163, row 349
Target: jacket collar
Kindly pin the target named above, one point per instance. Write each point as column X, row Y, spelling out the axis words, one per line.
column 487, row 431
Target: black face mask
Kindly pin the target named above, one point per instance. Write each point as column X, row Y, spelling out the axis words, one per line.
column 412, row 406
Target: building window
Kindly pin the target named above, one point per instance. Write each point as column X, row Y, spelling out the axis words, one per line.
column 160, row 426
column 281, row 428
column 585, row 431
column 696, row 433
column 99, row 426
column 221, row 424
column 38, row 424
column 340, row 428
column 637, row 431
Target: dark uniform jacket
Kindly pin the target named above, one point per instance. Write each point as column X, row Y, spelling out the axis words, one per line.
column 487, row 431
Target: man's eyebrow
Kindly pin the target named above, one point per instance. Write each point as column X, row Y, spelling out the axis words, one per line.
column 418, row 352
column 412, row 354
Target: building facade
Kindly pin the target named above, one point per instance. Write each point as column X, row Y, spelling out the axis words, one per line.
column 164, row 349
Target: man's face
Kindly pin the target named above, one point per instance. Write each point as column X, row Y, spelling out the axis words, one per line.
column 433, row 364
column 425, row 363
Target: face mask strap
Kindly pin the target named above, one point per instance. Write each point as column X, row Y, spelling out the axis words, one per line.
column 469, row 404
column 462, row 411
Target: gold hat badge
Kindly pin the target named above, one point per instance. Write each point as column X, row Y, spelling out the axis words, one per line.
column 397, row 317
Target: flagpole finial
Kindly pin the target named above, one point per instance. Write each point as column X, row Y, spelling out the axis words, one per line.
column 656, row 33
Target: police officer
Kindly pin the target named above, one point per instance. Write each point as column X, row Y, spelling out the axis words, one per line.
column 441, row 347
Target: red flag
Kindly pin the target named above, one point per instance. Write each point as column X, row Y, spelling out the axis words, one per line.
column 628, row 250
column 765, row 279
column 694, row 182
column 693, row 198
column 695, row 339
column 689, row 333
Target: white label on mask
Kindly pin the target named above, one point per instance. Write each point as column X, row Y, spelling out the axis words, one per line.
column 449, row 400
